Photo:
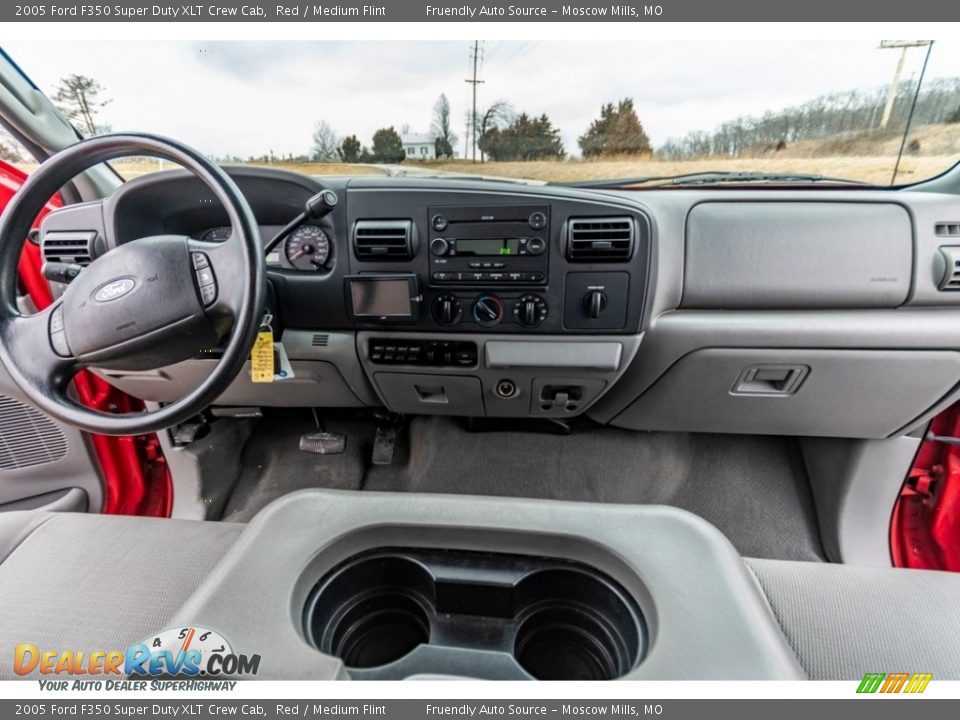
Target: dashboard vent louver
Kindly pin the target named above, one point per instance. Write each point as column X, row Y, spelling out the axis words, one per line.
column 69, row 247
column 950, row 279
column 948, row 229
column 383, row 240
column 600, row 239
column 320, row 340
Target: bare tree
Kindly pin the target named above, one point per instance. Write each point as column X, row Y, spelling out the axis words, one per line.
column 9, row 147
column 79, row 98
column 496, row 116
column 441, row 127
column 325, row 143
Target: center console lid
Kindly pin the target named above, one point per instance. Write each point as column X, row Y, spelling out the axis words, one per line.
column 703, row 614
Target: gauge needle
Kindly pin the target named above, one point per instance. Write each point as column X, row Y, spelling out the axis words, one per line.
column 298, row 254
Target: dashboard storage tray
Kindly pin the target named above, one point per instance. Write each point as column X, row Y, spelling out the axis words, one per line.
column 393, row 613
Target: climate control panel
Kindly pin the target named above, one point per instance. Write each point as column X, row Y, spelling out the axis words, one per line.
column 489, row 309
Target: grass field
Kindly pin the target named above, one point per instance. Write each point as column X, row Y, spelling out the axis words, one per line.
column 878, row 170
column 867, row 156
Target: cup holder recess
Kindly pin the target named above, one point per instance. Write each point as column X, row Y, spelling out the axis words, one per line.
column 389, row 614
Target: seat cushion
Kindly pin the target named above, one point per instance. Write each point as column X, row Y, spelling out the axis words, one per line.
column 845, row 621
column 94, row 582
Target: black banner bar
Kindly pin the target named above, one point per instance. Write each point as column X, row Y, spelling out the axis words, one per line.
column 450, row 11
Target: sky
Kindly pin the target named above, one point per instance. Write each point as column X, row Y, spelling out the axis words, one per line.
column 246, row 98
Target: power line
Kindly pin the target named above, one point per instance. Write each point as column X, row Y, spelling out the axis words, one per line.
column 892, row 92
column 475, row 58
column 913, row 106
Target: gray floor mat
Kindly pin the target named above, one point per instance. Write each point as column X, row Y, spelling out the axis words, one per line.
column 753, row 488
column 273, row 464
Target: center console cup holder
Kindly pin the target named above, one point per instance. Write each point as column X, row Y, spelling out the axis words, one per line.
column 392, row 613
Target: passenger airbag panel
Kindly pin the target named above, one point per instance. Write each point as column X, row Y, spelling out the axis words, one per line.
column 777, row 255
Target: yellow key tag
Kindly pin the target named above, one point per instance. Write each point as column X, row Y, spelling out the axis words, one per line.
column 261, row 357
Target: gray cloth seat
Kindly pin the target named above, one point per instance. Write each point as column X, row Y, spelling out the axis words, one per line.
column 97, row 582
column 85, row 582
column 844, row 621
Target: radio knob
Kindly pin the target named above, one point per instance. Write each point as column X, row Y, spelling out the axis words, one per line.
column 439, row 222
column 536, row 246
column 537, row 220
column 439, row 247
column 446, row 309
column 530, row 310
column 488, row 310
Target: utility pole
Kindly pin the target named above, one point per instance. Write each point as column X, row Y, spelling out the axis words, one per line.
column 474, row 56
column 892, row 93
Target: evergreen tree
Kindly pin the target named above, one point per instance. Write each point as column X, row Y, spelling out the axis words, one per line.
column 618, row 131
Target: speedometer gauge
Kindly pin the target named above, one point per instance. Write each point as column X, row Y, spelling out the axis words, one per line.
column 307, row 248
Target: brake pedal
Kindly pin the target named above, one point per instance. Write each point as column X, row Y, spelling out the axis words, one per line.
column 323, row 443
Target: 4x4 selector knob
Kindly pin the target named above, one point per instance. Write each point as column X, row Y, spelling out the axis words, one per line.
column 594, row 303
column 530, row 311
column 439, row 247
column 446, row 309
column 488, row 310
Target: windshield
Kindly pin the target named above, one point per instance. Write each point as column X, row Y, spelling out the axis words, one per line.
column 881, row 112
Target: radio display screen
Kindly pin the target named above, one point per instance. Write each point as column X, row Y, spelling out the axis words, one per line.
column 381, row 297
column 488, row 246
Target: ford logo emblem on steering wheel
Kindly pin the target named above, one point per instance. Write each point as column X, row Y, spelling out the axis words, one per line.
column 114, row 289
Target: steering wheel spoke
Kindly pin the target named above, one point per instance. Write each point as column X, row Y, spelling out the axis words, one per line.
column 39, row 342
column 216, row 273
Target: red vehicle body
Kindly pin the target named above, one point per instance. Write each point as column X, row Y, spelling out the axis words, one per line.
column 135, row 474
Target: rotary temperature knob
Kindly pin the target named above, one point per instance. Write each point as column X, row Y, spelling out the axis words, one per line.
column 488, row 310
column 530, row 311
column 446, row 309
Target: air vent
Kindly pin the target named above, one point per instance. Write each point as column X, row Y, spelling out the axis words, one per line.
column 948, row 229
column 950, row 279
column 68, row 247
column 600, row 239
column 27, row 437
column 320, row 340
column 383, row 240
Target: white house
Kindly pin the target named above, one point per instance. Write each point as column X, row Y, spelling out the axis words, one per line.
column 419, row 147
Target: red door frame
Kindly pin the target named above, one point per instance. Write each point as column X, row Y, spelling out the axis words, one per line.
column 136, row 478
column 925, row 527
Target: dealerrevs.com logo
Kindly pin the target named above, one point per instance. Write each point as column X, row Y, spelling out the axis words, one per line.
column 177, row 652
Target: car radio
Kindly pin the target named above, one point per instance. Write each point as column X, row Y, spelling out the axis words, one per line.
column 489, row 245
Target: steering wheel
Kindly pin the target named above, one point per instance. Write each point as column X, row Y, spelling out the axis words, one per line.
column 148, row 303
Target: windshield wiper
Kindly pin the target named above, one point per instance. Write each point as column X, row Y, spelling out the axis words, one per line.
column 714, row 178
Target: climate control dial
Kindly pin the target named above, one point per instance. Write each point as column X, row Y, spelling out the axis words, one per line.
column 488, row 310
column 530, row 311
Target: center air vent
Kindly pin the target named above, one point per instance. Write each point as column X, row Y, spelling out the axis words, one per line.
column 383, row 240
column 600, row 239
column 950, row 277
column 69, row 247
column 948, row 229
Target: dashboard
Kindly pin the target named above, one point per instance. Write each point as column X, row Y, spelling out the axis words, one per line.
column 778, row 311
